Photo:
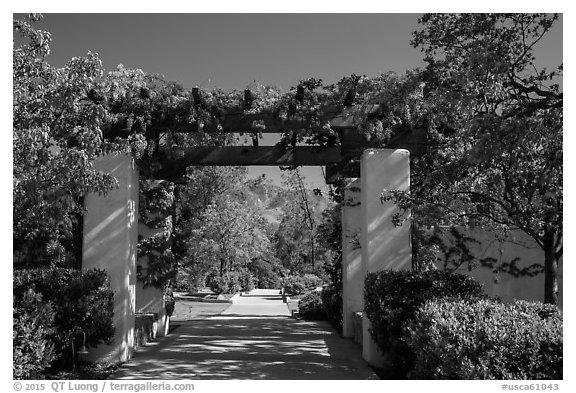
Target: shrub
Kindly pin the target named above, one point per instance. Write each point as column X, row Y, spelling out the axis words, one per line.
column 169, row 302
column 82, row 302
column 294, row 285
column 32, row 330
column 312, row 281
column 310, row 306
column 228, row 283
column 268, row 274
column 248, row 282
column 391, row 299
column 486, row 339
column 332, row 303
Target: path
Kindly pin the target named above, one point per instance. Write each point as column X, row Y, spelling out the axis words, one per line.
column 253, row 339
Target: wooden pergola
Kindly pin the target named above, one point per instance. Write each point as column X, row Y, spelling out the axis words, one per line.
column 341, row 160
column 111, row 228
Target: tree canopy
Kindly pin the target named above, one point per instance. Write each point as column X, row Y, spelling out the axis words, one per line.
column 495, row 124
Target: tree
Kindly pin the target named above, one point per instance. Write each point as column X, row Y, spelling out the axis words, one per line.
column 56, row 134
column 495, row 126
column 230, row 237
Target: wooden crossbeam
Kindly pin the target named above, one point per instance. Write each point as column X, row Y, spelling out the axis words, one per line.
column 343, row 170
column 237, row 121
column 174, row 167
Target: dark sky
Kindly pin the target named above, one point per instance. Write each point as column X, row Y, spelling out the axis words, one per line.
column 234, row 49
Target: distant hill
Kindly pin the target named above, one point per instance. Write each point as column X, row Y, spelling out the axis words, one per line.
column 272, row 199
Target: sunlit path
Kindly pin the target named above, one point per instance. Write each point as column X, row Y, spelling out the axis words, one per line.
column 253, row 339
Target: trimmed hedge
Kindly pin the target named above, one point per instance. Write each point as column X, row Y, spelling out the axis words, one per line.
column 486, row 339
column 391, row 299
column 82, row 301
column 310, row 306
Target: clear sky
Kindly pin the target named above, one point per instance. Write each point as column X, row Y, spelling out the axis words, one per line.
column 230, row 51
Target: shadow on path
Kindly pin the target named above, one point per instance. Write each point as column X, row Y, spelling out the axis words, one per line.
column 239, row 346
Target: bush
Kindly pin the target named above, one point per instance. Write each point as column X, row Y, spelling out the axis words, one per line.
column 332, row 303
column 169, row 302
column 268, row 274
column 248, row 282
column 294, row 285
column 310, row 306
column 82, row 302
column 312, row 281
column 486, row 339
column 228, row 283
column 391, row 299
column 32, row 331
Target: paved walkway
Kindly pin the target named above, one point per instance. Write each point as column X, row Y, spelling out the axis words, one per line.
column 253, row 339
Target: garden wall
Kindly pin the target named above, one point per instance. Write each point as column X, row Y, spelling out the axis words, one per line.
column 497, row 280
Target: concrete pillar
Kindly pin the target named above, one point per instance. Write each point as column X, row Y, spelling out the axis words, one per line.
column 150, row 299
column 353, row 276
column 384, row 246
column 110, row 243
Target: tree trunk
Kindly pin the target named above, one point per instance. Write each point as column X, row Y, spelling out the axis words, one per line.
column 550, row 270
column 222, row 267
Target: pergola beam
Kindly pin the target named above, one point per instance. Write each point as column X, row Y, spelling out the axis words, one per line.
column 174, row 167
column 238, row 121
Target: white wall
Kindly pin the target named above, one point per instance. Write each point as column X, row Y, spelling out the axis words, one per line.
column 110, row 243
column 384, row 246
column 506, row 286
column 352, row 273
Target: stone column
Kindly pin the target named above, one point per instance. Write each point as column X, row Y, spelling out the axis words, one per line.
column 384, row 246
column 110, row 243
column 150, row 299
column 353, row 276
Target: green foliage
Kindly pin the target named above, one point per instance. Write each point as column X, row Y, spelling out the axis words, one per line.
column 312, row 281
column 82, row 302
column 485, row 339
column 169, row 302
column 294, row 285
column 329, row 234
column 228, row 283
column 494, row 121
column 267, row 273
column 228, row 236
column 56, row 134
column 32, row 332
column 156, row 261
column 332, row 303
column 247, row 282
column 391, row 299
column 298, row 243
column 310, row 306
